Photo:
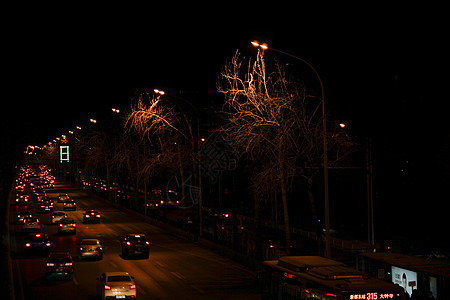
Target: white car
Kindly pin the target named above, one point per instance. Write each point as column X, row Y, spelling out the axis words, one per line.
column 67, row 226
column 116, row 285
column 58, row 217
column 90, row 248
column 31, row 224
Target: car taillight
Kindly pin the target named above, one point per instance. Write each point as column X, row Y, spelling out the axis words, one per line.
column 98, row 216
column 132, row 286
column 81, row 248
column 107, row 287
column 68, row 264
column 27, row 245
column 50, row 264
column 74, row 225
column 147, row 243
column 128, row 243
column 60, row 225
column 87, row 216
column 48, row 244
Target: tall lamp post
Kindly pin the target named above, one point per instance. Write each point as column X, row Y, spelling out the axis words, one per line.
column 325, row 151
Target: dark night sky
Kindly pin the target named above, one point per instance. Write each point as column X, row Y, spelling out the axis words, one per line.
column 381, row 67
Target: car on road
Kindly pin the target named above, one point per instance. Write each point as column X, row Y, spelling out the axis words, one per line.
column 31, row 224
column 59, row 264
column 135, row 245
column 91, row 216
column 116, row 285
column 70, row 205
column 22, row 215
column 46, row 206
column 22, row 199
column 67, row 226
column 90, row 248
column 37, row 243
column 63, row 198
column 57, row 217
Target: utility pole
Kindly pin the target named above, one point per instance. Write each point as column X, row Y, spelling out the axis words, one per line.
column 369, row 188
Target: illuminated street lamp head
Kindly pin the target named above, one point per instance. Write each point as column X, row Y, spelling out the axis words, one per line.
column 93, row 121
column 159, row 92
column 342, row 125
column 262, row 46
column 116, row 110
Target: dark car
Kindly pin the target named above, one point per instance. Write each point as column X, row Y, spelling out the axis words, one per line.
column 46, row 206
column 70, row 205
column 59, row 264
column 63, row 198
column 37, row 243
column 91, row 216
column 22, row 199
column 135, row 245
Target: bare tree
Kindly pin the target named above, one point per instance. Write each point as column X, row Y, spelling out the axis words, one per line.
column 168, row 131
column 275, row 122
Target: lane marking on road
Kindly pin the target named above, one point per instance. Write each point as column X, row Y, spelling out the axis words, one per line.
column 197, row 289
column 75, row 281
column 178, row 275
column 142, row 291
column 162, row 265
column 113, row 264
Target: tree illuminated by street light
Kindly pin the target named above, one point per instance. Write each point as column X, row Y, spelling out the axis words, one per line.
column 271, row 117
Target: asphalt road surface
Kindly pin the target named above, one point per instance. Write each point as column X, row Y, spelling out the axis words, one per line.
column 176, row 269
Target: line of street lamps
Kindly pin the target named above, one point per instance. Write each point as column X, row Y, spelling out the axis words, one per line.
column 264, row 46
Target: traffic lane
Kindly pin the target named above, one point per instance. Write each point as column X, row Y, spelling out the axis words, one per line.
column 176, row 268
column 198, row 270
column 29, row 269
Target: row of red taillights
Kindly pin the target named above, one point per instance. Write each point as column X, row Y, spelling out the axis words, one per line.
column 66, row 264
column 29, row 245
column 132, row 287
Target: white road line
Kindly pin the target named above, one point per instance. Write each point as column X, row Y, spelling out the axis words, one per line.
column 162, row 265
column 178, row 275
column 113, row 264
column 142, row 291
column 75, row 281
column 197, row 289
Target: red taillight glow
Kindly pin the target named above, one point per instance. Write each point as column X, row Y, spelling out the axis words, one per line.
column 74, row 225
column 38, row 235
column 87, row 216
column 68, row 264
column 147, row 242
column 128, row 243
column 132, row 286
column 98, row 216
column 48, row 244
column 50, row 264
column 27, row 245
column 107, row 287
column 330, row 295
column 60, row 225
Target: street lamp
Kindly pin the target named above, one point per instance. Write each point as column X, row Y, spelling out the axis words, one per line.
column 264, row 46
column 93, row 121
